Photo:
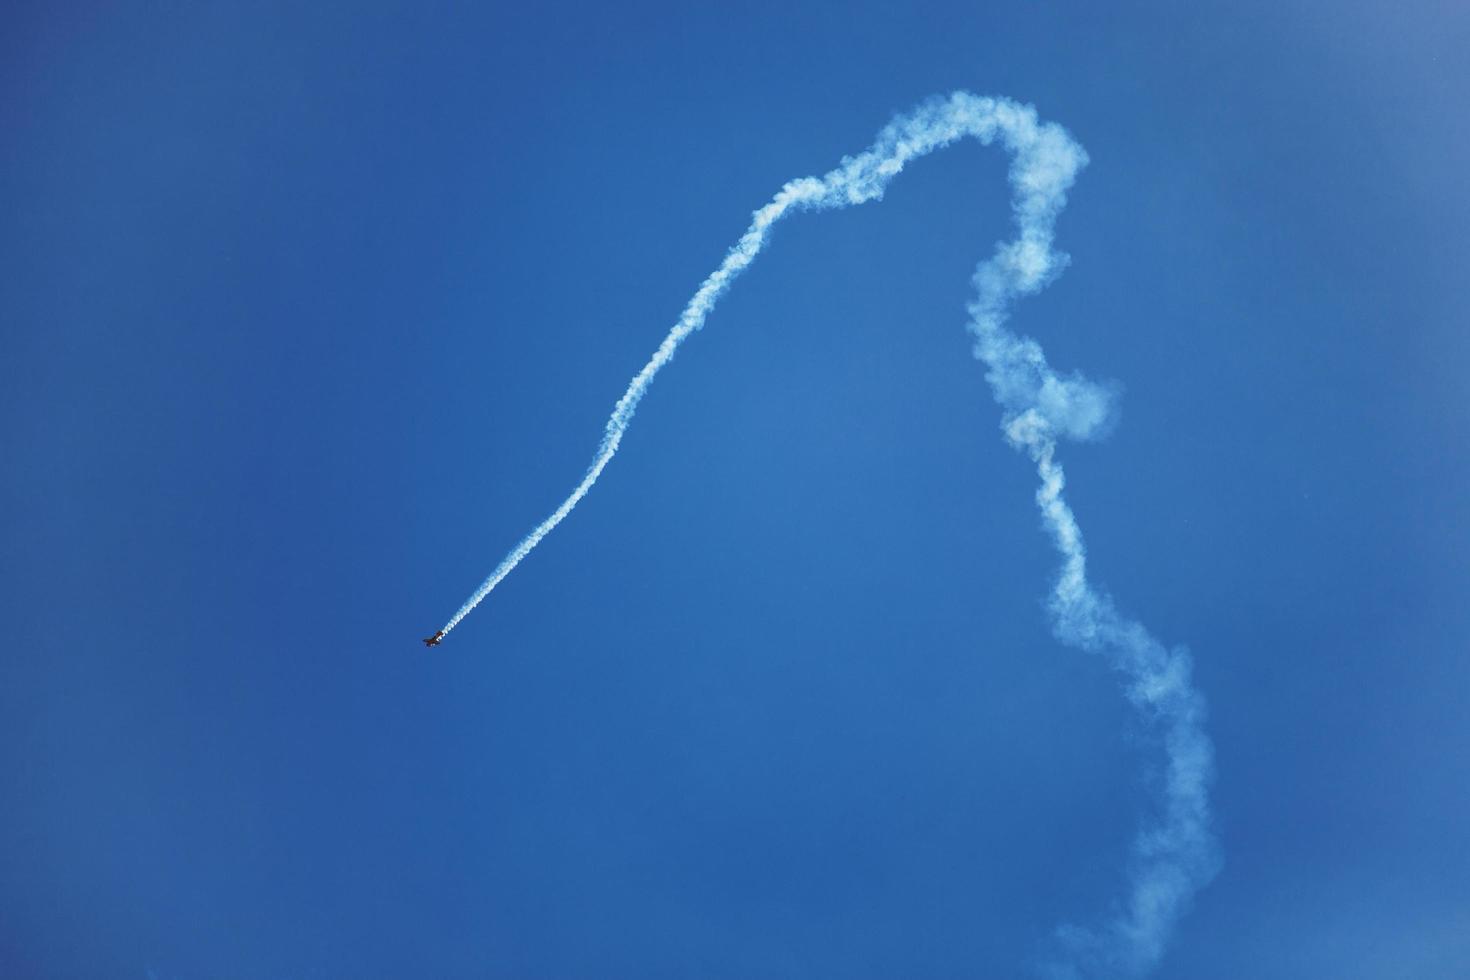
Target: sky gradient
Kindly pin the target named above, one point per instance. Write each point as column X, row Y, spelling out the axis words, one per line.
column 312, row 315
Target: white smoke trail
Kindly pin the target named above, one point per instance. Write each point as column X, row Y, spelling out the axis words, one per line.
column 1176, row 853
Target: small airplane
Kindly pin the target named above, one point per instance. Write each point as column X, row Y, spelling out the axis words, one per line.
column 433, row 641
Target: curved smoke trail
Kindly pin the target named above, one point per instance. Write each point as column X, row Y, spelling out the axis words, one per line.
column 1176, row 853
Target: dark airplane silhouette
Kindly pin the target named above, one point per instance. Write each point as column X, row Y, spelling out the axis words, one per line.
column 433, row 641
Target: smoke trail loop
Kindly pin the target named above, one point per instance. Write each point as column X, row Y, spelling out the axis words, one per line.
column 1175, row 854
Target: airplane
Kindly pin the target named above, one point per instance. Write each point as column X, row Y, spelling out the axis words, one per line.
column 433, row 641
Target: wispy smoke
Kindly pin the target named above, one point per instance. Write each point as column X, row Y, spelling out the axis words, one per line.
column 1175, row 854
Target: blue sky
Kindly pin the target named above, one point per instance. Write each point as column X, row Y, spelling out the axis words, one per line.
column 311, row 315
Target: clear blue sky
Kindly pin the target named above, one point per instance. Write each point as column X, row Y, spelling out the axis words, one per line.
column 308, row 316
